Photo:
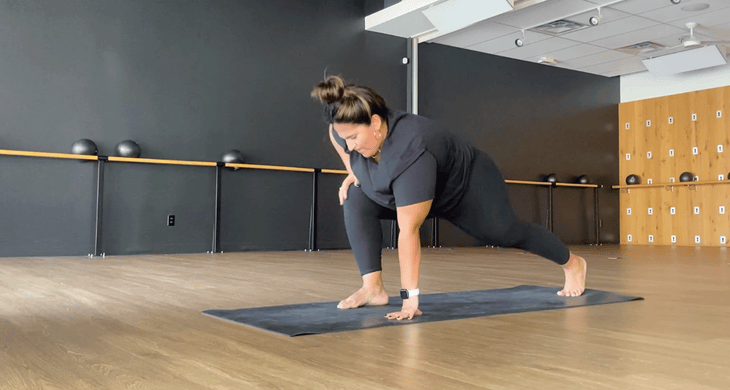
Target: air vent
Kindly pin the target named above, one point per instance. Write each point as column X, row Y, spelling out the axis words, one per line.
column 641, row 48
column 559, row 27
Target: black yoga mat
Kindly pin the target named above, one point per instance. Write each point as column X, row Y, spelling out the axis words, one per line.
column 324, row 317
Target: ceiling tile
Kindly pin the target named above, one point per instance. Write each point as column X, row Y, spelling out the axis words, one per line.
column 605, row 30
column 482, row 32
column 508, row 42
column 675, row 12
column 627, row 65
column 573, row 52
column 542, row 13
column 539, row 49
column 638, row 36
column 607, row 15
column 641, row 6
column 597, row 58
column 717, row 17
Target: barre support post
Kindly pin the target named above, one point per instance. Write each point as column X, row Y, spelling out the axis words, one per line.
column 99, row 206
column 217, row 212
column 313, row 212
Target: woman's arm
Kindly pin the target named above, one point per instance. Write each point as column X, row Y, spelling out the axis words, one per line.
column 350, row 179
column 344, row 156
column 410, row 219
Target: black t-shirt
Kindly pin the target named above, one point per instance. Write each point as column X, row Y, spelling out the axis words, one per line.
column 418, row 162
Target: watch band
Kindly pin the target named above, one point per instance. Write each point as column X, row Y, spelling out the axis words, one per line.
column 405, row 294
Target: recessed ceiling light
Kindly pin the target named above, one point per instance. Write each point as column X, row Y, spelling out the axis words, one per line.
column 695, row 7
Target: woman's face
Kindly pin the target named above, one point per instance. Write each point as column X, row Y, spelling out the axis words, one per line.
column 361, row 138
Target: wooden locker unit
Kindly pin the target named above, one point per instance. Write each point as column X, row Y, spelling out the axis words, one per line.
column 680, row 123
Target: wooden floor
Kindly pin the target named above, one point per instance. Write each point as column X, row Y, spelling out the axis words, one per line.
column 135, row 323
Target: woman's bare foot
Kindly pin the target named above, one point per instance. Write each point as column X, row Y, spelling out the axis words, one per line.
column 575, row 277
column 372, row 293
column 365, row 296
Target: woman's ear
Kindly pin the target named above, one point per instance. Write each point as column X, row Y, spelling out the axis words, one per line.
column 376, row 121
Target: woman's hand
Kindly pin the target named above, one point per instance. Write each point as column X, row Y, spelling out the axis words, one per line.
column 349, row 180
column 407, row 312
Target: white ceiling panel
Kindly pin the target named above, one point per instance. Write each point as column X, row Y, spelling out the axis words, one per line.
column 638, row 36
column 571, row 53
column 538, row 49
column 605, row 30
column 640, row 6
column 608, row 15
column 479, row 33
column 598, row 58
column 717, row 17
column 630, row 65
column 673, row 13
column 508, row 42
column 542, row 13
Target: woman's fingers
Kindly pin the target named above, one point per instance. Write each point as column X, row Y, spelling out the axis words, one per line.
column 343, row 190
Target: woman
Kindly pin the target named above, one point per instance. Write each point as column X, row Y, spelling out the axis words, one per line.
column 402, row 167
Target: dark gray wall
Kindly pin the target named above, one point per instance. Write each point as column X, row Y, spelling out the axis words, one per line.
column 533, row 120
column 187, row 80
column 190, row 80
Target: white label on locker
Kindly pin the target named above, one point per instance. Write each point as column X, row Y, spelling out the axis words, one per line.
column 651, row 211
column 648, row 154
column 722, row 210
column 697, row 239
column 651, row 238
column 628, row 156
column 671, row 152
column 719, row 148
column 694, row 117
column 719, row 113
column 697, row 209
column 674, row 238
column 723, row 240
column 671, row 180
column 721, row 177
column 695, row 150
column 628, row 238
column 672, row 210
column 628, row 126
column 648, row 181
column 671, row 120
column 648, row 123
column 628, row 211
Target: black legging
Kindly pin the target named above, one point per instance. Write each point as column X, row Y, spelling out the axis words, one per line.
column 484, row 213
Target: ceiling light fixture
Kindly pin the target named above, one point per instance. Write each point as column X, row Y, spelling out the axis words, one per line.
column 519, row 42
column 675, row 1
column 547, row 60
column 594, row 20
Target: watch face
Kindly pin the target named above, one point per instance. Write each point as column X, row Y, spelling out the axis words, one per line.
column 404, row 294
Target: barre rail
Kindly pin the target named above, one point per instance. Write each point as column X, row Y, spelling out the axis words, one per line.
column 24, row 153
column 674, row 184
column 160, row 161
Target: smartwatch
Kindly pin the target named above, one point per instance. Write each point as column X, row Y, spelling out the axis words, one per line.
column 405, row 294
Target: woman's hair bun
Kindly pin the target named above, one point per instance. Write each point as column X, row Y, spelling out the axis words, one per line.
column 331, row 90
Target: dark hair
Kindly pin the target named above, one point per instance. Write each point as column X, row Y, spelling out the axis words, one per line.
column 349, row 103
